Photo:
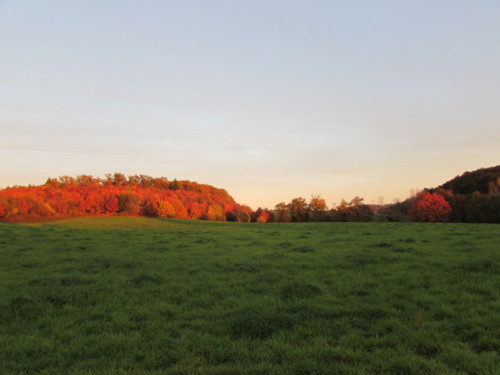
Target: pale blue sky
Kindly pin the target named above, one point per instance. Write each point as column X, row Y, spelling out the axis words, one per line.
column 268, row 99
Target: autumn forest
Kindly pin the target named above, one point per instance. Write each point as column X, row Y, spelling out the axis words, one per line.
column 471, row 197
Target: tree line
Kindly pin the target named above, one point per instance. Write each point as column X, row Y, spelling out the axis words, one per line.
column 316, row 210
column 471, row 197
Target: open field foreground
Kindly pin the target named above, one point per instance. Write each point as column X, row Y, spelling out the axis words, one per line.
column 125, row 295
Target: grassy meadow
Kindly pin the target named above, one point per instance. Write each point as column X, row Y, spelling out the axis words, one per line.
column 129, row 295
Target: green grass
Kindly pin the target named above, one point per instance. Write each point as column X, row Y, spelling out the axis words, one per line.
column 149, row 296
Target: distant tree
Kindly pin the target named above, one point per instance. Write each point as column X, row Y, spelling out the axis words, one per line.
column 45, row 210
column 53, row 182
column 360, row 211
column 160, row 183
column 151, row 206
column 256, row 214
column 298, row 209
column 165, row 209
column 458, row 204
column 242, row 214
column 430, row 207
column 479, row 209
column 180, row 209
column 317, row 207
column 174, row 185
column 282, row 213
column 129, row 203
column 263, row 217
column 66, row 180
column 25, row 205
column 354, row 210
column 397, row 211
column 195, row 211
column 119, row 179
column 342, row 211
column 365, row 213
column 108, row 181
column 134, row 180
column 215, row 213
column 92, row 204
column 87, row 180
column 110, row 203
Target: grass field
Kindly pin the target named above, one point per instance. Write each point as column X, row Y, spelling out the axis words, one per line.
column 148, row 296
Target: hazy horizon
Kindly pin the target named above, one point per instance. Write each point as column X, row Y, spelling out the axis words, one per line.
column 268, row 100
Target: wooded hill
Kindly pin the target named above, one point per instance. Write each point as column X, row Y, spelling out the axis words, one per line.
column 116, row 194
column 472, row 197
column 482, row 181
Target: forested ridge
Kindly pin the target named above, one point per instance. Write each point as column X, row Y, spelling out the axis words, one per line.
column 482, row 181
column 117, row 194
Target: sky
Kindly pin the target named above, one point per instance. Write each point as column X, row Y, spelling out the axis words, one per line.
column 270, row 100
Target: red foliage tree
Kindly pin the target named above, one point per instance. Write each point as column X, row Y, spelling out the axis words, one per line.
column 430, row 207
column 111, row 203
column 195, row 211
column 179, row 209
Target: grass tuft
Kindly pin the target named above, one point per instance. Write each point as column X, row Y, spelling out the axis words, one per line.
column 303, row 249
column 299, row 290
column 258, row 322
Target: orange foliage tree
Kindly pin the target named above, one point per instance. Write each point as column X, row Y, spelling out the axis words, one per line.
column 263, row 217
column 317, row 207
